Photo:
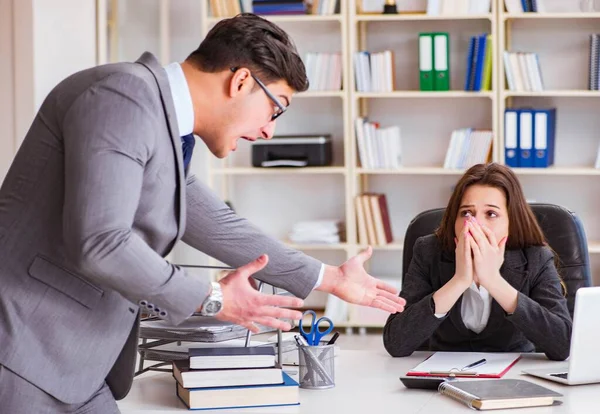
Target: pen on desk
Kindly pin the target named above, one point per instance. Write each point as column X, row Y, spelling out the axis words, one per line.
column 475, row 364
column 333, row 338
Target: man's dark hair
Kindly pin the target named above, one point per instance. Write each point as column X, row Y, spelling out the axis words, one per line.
column 250, row 41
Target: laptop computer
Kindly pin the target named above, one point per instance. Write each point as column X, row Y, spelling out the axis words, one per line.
column 583, row 365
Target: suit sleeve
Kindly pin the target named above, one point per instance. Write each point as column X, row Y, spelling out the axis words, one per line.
column 108, row 138
column 213, row 228
column 404, row 332
column 543, row 317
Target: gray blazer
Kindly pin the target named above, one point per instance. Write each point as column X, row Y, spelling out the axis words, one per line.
column 540, row 321
column 94, row 200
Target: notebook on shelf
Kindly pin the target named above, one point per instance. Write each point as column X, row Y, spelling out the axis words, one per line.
column 497, row 394
column 461, row 364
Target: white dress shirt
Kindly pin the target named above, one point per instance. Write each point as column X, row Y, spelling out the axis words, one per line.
column 475, row 308
column 184, row 111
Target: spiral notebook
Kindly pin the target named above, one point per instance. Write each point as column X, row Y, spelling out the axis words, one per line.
column 497, row 394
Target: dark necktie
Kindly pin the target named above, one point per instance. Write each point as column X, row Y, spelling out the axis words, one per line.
column 188, row 143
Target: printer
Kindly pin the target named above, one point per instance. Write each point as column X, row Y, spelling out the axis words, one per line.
column 293, row 151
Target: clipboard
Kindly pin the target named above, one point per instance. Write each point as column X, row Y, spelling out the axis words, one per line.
column 449, row 364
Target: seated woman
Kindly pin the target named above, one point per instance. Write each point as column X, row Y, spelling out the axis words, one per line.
column 486, row 280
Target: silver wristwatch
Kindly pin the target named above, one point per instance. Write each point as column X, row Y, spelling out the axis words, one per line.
column 214, row 302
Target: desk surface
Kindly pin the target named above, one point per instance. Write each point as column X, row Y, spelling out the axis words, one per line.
column 366, row 381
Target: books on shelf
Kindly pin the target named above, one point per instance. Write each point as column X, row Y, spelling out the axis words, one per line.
column 324, row 71
column 374, row 71
column 520, row 6
column 232, row 357
column 457, row 7
column 529, row 137
column 325, row 7
column 479, row 63
column 434, row 65
column 279, row 7
column 523, row 72
column 594, row 63
column 373, row 219
column 378, row 147
column 468, row 147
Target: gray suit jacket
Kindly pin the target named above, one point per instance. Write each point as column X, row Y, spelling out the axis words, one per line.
column 541, row 319
column 94, row 200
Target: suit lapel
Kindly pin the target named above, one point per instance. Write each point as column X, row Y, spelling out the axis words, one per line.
column 149, row 61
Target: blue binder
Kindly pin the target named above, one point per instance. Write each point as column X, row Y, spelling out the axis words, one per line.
column 470, row 65
column 526, row 134
column 511, row 137
column 544, row 130
column 480, row 61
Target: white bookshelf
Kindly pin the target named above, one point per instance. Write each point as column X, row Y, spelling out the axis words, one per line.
column 561, row 40
column 426, row 118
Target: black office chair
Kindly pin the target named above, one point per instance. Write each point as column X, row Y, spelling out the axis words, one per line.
column 562, row 228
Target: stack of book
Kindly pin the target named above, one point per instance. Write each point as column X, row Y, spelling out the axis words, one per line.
column 279, row 7
column 233, row 377
column 378, row 147
column 468, row 147
column 479, row 64
column 373, row 219
column 523, row 71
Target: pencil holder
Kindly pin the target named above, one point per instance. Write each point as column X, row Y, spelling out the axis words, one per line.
column 317, row 366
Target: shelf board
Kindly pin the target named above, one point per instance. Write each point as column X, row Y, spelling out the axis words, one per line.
column 412, row 171
column 546, row 16
column 593, row 247
column 296, row 18
column 425, row 94
column 277, row 171
column 558, row 171
column 568, row 93
column 320, row 94
column 317, row 246
column 418, row 16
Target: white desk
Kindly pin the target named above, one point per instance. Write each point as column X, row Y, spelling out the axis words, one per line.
column 366, row 382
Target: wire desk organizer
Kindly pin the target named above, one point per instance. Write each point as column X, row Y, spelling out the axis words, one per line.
column 155, row 333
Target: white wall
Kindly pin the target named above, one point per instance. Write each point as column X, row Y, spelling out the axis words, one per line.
column 7, row 136
column 51, row 40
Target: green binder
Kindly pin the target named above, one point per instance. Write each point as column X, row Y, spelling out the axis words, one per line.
column 426, row 61
column 441, row 62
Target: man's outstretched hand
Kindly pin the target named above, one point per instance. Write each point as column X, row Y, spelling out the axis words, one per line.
column 244, row 305
column 351, row 283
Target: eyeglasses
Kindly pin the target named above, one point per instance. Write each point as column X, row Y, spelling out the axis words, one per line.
column 281, row 108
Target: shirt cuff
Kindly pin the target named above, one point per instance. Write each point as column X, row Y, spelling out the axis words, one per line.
column 320, row 278
column 440, row 315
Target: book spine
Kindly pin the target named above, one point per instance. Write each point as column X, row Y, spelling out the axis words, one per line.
column 446, row 388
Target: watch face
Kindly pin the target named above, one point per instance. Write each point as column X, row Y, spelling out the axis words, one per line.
column 213, row 307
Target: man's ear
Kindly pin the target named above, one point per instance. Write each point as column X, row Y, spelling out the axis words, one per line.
column 240, row 82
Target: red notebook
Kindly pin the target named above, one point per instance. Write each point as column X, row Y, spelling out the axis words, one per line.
column 466, row 364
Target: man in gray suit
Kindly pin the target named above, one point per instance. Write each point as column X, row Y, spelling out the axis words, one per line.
column 99, row 194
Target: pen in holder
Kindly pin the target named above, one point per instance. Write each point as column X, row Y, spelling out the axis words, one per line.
column 316, row 363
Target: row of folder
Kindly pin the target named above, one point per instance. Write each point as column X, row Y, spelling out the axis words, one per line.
column 529, row 137
column 520, row 6
column 468, row 147
column 457, row 7
column 324, row 71
column 434, row 66
column 479, row 63
column 374, row 71
column 523, row 72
